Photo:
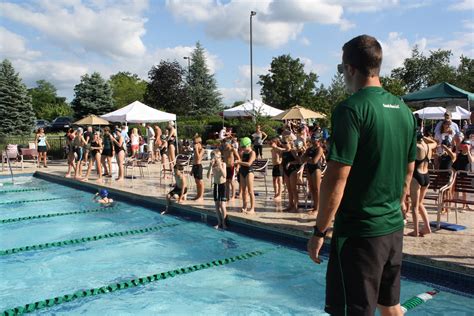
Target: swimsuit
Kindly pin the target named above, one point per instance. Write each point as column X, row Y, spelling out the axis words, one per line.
column 276, row 171
column 461, row 163
column 445, row 162
column 219, row 192
column 244, row 171
column 311, row 167
column 288, row 157
column 177, row 190
column 196, row 171
column 94, row 151
column 229, row 173
column 107, row 151
column 118, row 148
column 423, row 179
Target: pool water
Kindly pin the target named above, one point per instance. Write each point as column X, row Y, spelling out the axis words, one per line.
column 280, row 282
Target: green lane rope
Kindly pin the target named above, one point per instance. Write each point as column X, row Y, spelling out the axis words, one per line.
column 31, row 201
column 23, row 190
column 131, row 283
column 63, row 243
column 418, row 300
column 33, row 217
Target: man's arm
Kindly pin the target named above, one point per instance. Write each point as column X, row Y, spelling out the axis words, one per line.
column 332, row 190
column 406, row 185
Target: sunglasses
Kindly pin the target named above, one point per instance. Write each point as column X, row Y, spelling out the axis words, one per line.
column 340, row 68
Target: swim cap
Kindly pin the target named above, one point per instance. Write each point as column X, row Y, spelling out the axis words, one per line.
column 315, row 136
column 103, row 193
column 245, row 142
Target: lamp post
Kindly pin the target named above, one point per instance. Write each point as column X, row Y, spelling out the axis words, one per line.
column 189, row 62
column 252, row 13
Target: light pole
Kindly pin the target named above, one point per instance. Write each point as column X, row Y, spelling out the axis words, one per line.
column 252, row 13
column 189, row 62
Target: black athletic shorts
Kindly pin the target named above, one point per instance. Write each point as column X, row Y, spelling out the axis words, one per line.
column 196, row 171
column 219, row 192
column 276, row 171
column 363, row 272
column 229, row 173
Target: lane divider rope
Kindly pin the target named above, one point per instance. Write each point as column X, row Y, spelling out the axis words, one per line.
column 33, row 217
column 23, row 190
column 130, row 283
column 63, row 243
column 31, row 201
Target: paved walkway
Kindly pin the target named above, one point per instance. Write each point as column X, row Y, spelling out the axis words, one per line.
column 450, row 250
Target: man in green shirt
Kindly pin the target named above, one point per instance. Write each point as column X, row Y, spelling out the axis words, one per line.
column 371, row 162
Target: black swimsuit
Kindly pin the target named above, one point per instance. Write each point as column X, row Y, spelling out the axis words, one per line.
column 311, row 153
column 118, row 148
column 94, row 151
column 445, row 162
column 461, row 163
column 288, row 157
column 244, row 171
column 423, row 179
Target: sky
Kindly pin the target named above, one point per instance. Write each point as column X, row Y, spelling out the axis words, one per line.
column 61, row 40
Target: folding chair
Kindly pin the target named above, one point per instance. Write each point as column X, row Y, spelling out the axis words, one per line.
column 440, row 181
column 32, row 153
column 260, row 171
column 463, row 183
column 303, row 185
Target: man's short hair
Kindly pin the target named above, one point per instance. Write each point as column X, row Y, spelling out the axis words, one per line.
column 364, row 53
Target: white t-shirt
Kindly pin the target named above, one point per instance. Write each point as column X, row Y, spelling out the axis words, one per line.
column 222, row 133
column 150, row 133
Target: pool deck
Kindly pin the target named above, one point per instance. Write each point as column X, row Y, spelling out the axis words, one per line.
column 445, row 249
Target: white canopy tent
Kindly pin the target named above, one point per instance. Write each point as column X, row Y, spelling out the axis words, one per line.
column 251, row 108
column 437, row 113
column 138, row 112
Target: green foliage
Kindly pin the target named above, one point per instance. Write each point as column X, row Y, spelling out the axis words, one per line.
column 420, row 71
column 16, row 109
column 394, row 86
column 93, row 95
column 127, row 88
column 46, row 104
column 167, row 89
column 288, row 84
column 205, row 98
column 52, row 111
column 465, row 74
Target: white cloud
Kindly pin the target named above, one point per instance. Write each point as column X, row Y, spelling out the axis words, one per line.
column 12, row 45
column 276, row 22
column 462, row 5
column 310, row 66
column 108, row 28
column 305, row 41
column 395, row 50
column 357, row 6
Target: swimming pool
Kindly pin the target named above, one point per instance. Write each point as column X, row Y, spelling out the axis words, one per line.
column 279, row 281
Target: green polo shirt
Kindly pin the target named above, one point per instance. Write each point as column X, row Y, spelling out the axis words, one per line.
column 375, row 133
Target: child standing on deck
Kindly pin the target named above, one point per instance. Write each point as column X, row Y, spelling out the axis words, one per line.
column 219, row 171
column 230, row 156
column 246, row 175
column 277, row 171
column 180, row 189
column 196, row 171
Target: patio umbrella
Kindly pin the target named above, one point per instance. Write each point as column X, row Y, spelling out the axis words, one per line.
column 92, row 120
column 298, row 113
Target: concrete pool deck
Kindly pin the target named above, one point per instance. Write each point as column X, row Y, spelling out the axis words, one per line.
column 445, row 249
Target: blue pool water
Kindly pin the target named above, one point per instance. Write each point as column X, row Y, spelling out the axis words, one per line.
column 280, row 282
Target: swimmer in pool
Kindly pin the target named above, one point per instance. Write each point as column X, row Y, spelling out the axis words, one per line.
column 102, row 197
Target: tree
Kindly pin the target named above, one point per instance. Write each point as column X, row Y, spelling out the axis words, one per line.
column 16, row 109
column 205, row 98
column 46, row 104
column 465, row 74
column 394, row 86
column 93, row 95
column 167, row 89
column 419, row 71
column 127, row 88
column 288, row 84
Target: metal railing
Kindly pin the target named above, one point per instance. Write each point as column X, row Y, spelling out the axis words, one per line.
column 56, row 142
